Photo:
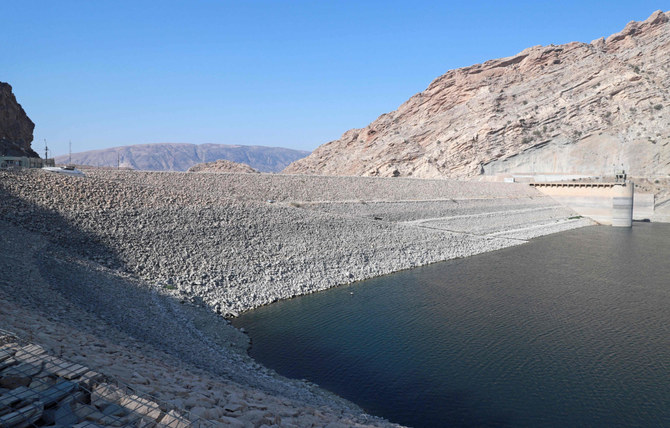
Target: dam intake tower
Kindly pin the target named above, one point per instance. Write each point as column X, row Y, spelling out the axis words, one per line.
column 605, row 203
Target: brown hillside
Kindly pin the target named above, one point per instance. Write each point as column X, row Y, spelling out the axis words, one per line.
column 584, row 108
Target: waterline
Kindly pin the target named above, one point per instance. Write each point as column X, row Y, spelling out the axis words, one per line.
column 569, row 329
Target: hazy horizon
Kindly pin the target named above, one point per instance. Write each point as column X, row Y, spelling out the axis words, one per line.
column 120, row 146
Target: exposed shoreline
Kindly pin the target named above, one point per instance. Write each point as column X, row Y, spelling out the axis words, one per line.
column 228, row 243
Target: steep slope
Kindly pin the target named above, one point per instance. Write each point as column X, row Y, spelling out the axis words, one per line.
column 578, row 108
column 180, row 157
column 16, row 128
column 222, row 165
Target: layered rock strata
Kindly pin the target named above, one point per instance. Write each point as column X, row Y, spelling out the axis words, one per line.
column 578, row 108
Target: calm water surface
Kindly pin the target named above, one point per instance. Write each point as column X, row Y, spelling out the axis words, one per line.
column 571, row 329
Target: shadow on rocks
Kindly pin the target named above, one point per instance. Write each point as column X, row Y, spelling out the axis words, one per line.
column 57, row 229
column 80, row 269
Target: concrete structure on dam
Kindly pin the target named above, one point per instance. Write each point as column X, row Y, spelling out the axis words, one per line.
column 605, row 203
column 644, row 207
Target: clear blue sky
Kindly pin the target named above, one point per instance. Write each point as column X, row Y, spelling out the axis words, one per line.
column 279, row 73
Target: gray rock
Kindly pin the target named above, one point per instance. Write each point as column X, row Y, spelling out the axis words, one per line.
column 64, row 415
column 57, row 392
column 114, row 410
column 14, row 381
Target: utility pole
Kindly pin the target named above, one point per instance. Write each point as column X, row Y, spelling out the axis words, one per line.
column 46, row 150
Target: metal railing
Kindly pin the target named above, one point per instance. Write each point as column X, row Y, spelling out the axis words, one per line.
column 37, row 389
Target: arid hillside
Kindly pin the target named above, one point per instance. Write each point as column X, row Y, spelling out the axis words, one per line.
column 221, row 165
column 579, row 108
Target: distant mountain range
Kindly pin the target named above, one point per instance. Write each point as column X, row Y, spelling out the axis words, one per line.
column 182, row 156
column 16, row 128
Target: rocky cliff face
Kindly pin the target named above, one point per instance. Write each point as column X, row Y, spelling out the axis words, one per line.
column 16, row 128
column 578, row 108
column 222, row 165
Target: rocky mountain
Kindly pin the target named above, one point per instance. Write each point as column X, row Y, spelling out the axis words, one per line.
column 578, row 108
column 180, row 156
column 16, row 128
column 222, row 165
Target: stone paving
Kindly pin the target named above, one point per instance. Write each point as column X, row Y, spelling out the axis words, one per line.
column 37, row 389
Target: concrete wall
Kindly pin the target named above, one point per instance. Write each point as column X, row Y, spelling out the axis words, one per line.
column 622, row 205
column 661, row 211
column 24, row 162
column 594, row 155
column 643, row 206
column 605, row 203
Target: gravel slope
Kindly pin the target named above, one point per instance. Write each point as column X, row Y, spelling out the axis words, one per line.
column 87, row 314
column 121, row 254
column 235, row 242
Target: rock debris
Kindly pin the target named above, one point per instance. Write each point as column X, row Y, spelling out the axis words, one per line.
column 132, row 274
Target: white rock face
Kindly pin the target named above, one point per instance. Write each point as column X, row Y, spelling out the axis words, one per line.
column 576, row 108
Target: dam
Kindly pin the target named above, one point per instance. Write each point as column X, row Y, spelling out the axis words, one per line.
column 606, row 203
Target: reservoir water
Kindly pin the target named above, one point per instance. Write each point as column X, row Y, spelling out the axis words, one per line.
column 571, row 329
